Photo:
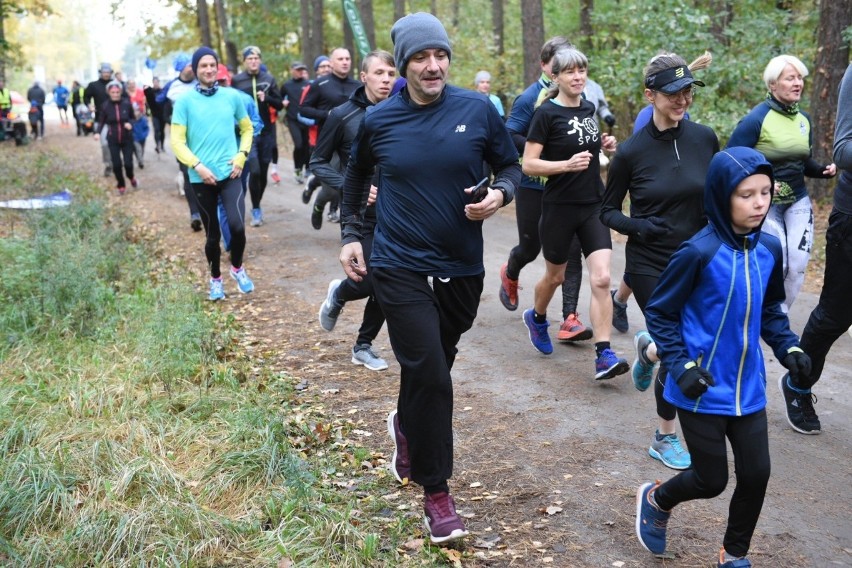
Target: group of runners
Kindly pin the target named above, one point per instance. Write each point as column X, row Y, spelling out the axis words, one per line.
column 717, row 238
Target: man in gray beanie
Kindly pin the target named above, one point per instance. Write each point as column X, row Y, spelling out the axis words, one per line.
column 429, row 141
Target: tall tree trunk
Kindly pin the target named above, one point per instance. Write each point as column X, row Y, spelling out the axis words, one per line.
column 586, row 32
column 532, row 24
column 497, row 25
column 308, row 51
column 368, row 21
column 317, row 32
column 722, row 13
column 231, row 60
column 3, row 43
column 433, row 8
column 398, row 9
column 831, row 62
column 204, row 23
column 455, row 8
column 349, row 42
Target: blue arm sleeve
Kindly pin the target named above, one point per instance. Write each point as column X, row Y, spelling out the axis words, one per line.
column 663, row 312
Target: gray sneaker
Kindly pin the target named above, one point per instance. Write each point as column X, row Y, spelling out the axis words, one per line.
column 364, row 355
column 667, row 449
column 330, row 308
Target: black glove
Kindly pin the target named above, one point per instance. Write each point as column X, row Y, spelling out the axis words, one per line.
column 609, row 120
column 799, row 365
column 651, row 229
column 694, row 382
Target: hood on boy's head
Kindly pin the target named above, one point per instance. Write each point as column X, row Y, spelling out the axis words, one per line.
column 727, row 169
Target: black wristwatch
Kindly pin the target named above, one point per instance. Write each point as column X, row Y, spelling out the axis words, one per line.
column 244, row 153
column 503, row 191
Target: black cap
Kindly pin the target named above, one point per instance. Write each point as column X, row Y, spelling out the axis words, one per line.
column 672, row 80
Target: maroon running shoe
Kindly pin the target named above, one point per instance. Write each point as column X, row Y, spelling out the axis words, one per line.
column 442, row 521
column 400, row 464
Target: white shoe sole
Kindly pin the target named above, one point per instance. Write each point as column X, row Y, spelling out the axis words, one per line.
column 455, row 535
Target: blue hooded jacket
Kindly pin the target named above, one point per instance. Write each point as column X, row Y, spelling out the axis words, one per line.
column 721, row 293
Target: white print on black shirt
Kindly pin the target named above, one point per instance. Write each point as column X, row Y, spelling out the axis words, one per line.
column 587, row 130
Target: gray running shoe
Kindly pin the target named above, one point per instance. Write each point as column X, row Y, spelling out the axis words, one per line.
column 330, row 308
column 364, row 355
column 669, row 451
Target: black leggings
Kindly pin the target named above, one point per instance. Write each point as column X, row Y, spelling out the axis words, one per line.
column 705, row 436
column 301, row 150
column 833, row 315
column 188, row 192
column 643, row 286
column 233, row 200
column 350, row 290
column 116, row 152
column 159, row 130
column 528, row 214
column 265, row 152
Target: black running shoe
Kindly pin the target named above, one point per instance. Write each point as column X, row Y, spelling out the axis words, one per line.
column 799, row 406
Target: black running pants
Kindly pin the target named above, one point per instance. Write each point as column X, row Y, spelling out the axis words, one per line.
column 425, row 324
column 705, row 436
column 349, row 290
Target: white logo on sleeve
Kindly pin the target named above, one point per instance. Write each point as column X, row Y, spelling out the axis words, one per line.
column 460, row 127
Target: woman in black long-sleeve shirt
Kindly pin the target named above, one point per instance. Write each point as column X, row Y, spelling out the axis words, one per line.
column 662, row 167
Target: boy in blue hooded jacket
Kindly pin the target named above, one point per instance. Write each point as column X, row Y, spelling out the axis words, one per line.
column 719, row 295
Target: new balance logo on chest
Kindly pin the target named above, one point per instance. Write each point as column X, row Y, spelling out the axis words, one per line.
column 460, row 127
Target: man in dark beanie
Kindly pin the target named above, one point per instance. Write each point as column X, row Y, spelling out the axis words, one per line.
column 203, row 139
column 261, row 86
column 429, row 142
column 327, row 92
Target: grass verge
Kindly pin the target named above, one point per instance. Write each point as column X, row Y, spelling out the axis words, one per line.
column 134, row 430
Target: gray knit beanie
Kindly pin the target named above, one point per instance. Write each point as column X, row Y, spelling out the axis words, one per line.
column 416, row 32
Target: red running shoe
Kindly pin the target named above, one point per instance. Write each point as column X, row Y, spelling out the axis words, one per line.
column 508, row 290
column 572, row 329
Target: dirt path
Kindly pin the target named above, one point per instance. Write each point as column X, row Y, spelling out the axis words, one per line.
column 533, row 431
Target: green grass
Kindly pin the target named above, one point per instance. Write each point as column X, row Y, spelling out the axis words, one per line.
column 133, row 431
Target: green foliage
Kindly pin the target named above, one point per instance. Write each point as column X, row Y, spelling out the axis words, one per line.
column 133, row 433
column 757, row 32
column 68, row 270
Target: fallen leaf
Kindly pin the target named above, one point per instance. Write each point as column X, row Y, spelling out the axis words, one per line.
column 453, row 556
column 475, row 484
column 414, row 544
column 618, row 564
column 553, row 509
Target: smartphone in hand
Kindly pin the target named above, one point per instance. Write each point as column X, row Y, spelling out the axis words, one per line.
column 480, row 191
